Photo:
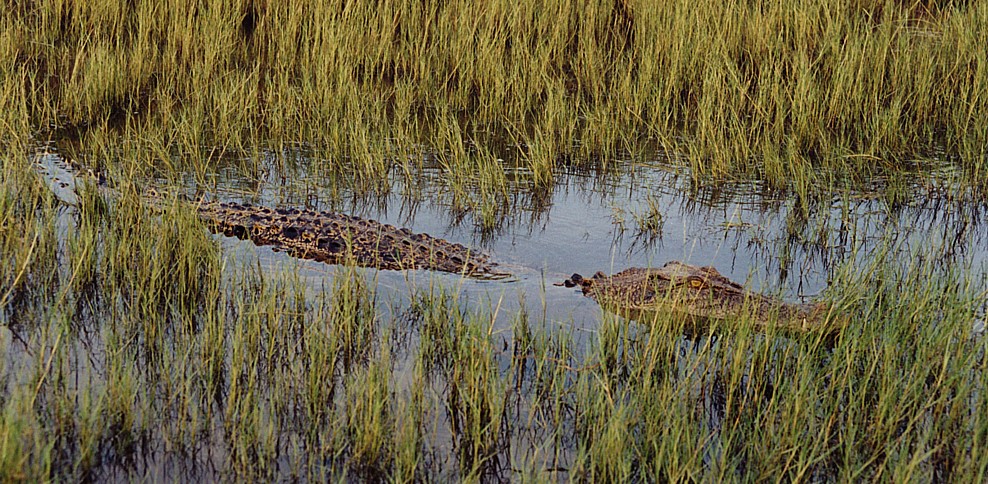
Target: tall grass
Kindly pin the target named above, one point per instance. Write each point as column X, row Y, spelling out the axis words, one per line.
column 132, row 348
column 741, row 89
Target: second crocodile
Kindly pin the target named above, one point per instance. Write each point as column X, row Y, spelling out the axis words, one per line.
column 701, row 293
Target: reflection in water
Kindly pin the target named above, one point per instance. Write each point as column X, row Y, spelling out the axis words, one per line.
column 586, row 223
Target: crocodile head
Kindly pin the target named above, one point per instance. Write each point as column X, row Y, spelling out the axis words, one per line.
column 701, row 293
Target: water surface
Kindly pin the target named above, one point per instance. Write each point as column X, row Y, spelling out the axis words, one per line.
column 767, row 239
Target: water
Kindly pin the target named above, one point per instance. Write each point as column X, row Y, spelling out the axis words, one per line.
column 751, row 234
column 768, row 240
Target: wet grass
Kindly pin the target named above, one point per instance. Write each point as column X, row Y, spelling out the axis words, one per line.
column 735, row 90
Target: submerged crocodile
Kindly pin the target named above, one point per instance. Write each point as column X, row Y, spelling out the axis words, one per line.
column 328, row 237
column 336, row 238
column 701, row 293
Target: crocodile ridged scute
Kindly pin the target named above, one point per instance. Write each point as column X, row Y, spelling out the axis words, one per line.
column 336, row 238
column 328, row 237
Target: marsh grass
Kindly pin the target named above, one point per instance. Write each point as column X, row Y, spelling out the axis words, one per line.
column 649, row 219
column 280, row 380
column 777, row 92
column 131, row 343
column 28, row 235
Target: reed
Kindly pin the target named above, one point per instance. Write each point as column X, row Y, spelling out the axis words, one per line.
column 283, row 381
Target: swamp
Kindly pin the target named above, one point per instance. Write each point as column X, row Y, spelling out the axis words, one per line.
column 826, row 158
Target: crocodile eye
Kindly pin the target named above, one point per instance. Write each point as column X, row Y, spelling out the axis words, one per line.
column 696, row 282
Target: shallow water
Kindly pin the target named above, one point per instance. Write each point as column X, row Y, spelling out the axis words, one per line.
column 749, row 233
column 586, row 223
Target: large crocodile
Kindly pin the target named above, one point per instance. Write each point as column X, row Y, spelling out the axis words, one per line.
column 329, row 237
column 336, row 238
column 700, row 293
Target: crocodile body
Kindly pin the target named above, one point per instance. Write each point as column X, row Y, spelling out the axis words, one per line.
column 327, row 237
column 335, row 238
column 701, row 293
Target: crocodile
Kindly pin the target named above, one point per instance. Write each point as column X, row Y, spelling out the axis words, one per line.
column 330, row 237
column 336, row 238
column 700, row 293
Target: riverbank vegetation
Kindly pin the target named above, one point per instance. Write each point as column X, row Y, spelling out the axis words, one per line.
column 114, row 367
column 135, row 350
